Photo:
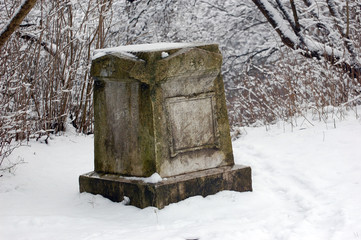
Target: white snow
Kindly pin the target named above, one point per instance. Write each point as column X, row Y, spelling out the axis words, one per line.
column 306, row 179
column 102, row 52
column 314, row 45
column 162, row 46
column 281, row 23
column 154, row 178
column 127, row 49
column 165, row 54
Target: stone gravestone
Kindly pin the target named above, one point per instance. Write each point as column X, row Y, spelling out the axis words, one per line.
column 161, row 129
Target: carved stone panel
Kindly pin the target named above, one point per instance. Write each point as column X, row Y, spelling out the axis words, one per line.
column 191, row 123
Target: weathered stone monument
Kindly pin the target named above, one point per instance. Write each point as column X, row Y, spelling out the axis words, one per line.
column 160, row 108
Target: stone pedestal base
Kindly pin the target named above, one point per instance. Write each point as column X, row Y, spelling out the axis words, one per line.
column 169, row 190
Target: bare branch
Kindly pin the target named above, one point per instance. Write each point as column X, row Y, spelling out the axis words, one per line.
column 344, row 32
column 295, row 16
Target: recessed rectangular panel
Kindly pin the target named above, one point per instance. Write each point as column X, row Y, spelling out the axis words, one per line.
column 192, row 123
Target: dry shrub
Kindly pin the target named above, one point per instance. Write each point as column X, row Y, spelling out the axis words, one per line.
column 44, row 70
column 289, row 88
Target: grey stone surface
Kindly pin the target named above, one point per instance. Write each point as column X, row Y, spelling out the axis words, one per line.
column 165, row 115
column 169, row 190
column 192, row 124
column 160, row 114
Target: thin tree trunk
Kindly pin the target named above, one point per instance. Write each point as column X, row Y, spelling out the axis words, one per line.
column 15, row 22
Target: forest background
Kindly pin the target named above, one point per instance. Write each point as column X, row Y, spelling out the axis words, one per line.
column 282, row 58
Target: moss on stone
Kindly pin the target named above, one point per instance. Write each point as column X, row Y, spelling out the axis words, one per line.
column 100, row 126
column 151, row 71
column 146, row 133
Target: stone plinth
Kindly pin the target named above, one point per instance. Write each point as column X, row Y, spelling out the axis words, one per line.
column 160, row 108
column 169, row 190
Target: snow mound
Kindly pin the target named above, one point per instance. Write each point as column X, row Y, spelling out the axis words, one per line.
column 306, row 181
column 154, row 178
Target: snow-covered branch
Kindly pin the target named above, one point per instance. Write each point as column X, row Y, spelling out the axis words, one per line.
column 16, row 20
column 294, row 35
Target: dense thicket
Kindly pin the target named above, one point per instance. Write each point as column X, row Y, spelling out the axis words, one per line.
column 45, row 64
column 318, row 63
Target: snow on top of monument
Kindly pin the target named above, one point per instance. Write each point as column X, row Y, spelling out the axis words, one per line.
column 152, row 47
column 106, row 51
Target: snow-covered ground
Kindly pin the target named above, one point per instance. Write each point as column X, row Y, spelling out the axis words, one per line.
column 306, row 179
